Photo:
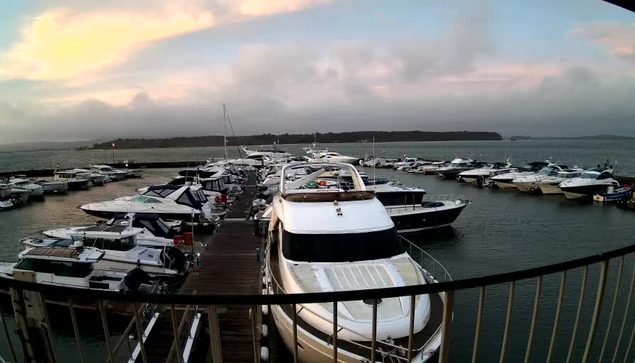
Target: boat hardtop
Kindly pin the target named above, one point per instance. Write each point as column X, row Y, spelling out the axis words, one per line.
column 80, row 254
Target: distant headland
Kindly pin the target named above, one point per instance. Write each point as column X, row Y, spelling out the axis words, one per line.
column 596, row 137
column 330, row 137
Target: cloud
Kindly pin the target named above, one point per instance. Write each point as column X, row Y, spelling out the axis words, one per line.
column 270, row 7
column 61, row 44
column 617, row 38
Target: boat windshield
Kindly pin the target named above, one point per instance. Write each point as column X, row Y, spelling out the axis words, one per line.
column 58, row 268
column 341, row 247
column 546, row 171
column 142, row 199
column 589, row 176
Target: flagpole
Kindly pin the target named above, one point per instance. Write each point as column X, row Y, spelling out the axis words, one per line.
column 113, row 153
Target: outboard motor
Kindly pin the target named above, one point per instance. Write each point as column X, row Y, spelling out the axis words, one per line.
column 173, row 259
column 136, row 278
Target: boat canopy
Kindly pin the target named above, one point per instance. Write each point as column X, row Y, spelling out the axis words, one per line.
column 183, row 195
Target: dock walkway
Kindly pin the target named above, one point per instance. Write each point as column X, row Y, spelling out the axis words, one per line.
column 229, row 266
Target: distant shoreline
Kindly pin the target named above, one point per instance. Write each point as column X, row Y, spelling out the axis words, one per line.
column 307, row 139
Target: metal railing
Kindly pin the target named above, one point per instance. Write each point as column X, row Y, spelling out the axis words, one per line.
column 610, row 333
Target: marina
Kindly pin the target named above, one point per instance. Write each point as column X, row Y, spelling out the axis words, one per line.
column 231, row 256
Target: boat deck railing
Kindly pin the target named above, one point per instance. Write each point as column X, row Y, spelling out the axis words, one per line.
column 602, row 324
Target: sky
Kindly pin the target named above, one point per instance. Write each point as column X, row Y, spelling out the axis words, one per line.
column 80, row 70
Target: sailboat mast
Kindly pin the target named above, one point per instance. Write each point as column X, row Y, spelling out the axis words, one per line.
column 225, row 127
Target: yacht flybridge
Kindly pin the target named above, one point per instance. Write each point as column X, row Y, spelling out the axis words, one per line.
column 325, row 236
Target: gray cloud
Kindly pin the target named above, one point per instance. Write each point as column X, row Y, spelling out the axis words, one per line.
column 352, row 86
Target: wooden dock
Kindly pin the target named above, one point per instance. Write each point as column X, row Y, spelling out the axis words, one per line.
column 229, row 265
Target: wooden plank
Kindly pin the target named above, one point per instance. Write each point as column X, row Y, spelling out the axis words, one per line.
column 228, row 266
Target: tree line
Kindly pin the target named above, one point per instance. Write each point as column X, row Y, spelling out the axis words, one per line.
column 329, row 137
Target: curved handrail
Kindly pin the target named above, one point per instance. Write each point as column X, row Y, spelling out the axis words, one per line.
column 325, row 296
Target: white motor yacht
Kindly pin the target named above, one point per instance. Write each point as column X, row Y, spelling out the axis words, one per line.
column 333, row 157
column 273, row 152
column 323, row 238
column 506, row 180
column 431, row 168
column 93, row 177
column 114, row 174
column 36, row 191
column 73, row 266
column 121, row 251
column 155, row 232
column 589, row 183
column 53, row 186
column 551, row 185
column 529, row 183
column 456, row 166
column 75, row 180
column 404, row 163
column 486, row 172
column 168, row 201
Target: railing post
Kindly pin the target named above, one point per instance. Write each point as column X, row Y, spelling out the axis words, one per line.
column 413, row 309
column 626, row 310
column 556, row 322
column 534, row 318
column 140, row 333
column 508, row 320
column 255, row 332
column 335, row 332
column 585, row 278
column 175, row 333
column 104, row 324
column 596, row 311
column 446, row 334
column 373, row 343
column 612, row 315
column 6, row 333
column 214, row 334
column 75, row 329
column 295, row 334
column 479, row 319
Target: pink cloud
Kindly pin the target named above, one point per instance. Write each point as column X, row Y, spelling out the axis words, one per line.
column 618, row 38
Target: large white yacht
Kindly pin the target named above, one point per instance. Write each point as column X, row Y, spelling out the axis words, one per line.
column 324, row 238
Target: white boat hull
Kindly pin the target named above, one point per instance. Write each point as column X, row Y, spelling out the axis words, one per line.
column 548, row 189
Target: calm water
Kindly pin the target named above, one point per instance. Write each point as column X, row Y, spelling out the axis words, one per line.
column 500, row 231
column 573, row 152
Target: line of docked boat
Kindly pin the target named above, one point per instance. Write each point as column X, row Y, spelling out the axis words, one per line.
column 540, row 177
column 19, row 189
column 142, row 242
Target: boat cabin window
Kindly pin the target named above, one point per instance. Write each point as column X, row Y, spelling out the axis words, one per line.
column 605, row 176
column 400, row 198
column 58, row 268
column 341, row 247
column 123, row 244
column 158, row 229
